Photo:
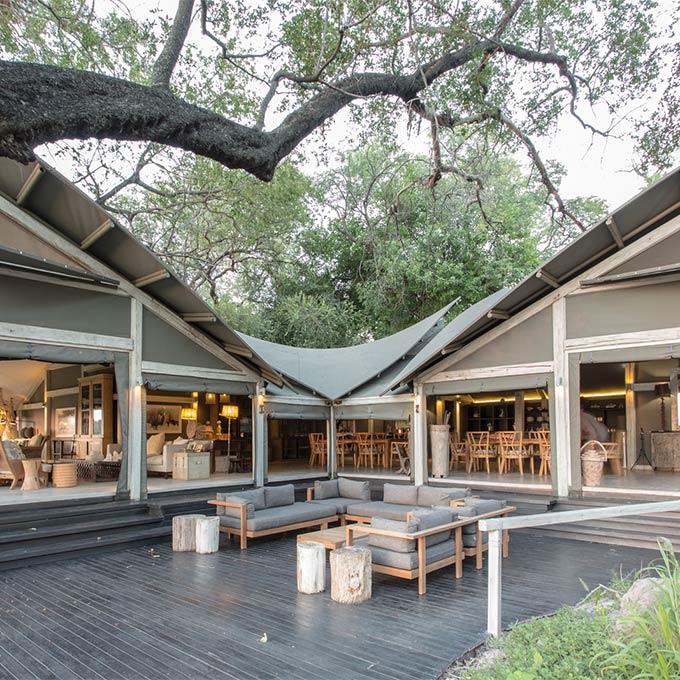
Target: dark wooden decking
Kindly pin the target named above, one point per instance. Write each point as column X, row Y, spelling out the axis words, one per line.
column 149, row 613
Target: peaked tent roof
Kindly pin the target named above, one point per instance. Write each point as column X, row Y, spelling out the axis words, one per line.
column 335, row 372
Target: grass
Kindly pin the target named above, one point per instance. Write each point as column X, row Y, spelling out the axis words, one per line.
column 580, row 644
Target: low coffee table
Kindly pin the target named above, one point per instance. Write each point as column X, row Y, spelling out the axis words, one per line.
column 330, row 538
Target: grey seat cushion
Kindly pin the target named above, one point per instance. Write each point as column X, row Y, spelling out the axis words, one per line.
column 326, row 489
column 458, row 494
column 340, row 504
column 255, row 496
column 350, row 488
column 277, row 496
column 463, row 512
column 485, row 505
column 429, row 496
column 429, row 519
column 470, row 540
column 400, row 494
column 380, row 509
column 392, row 542
column 281, row 515
column 409, row 560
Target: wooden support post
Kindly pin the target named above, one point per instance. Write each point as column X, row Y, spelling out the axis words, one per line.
column 495, row 566
column 260, row 446
column 351, row 575
column 311, row 567
column 332, row 450
column 136, row 440
column 560, row 435
column 419, row 437
column 459, row 551
column 207, row 535
column 184, row 532
column 422, row 573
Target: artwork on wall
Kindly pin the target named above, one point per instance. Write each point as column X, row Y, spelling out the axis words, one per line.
column 65, row 422
column 163, row 418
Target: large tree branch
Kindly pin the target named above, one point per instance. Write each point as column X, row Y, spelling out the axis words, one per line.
column 167, row 59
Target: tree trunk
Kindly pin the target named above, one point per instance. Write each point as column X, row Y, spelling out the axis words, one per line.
column 311, row 567
column 207, row 535
column 184, row 532
column 351, row 575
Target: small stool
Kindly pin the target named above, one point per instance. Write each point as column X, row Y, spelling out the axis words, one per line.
column 207, row 535
column 184, row 532
column 32, row 467
column 311, row 567
column 65, row 474
column 351, row 575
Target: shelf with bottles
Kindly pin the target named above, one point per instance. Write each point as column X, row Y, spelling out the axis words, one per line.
column 536, row 415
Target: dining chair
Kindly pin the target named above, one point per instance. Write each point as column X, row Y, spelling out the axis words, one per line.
column 317, row 448
column 511, row 447
column 458, row 451
column 479, row 448
column 368, row 452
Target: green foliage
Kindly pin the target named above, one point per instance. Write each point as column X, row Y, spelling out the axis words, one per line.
column 649, row 648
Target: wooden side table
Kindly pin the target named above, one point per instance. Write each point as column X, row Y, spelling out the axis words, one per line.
column 32, row 467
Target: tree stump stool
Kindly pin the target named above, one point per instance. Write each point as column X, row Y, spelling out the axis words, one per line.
column 311, row 567
column 207, row 535
column 184, row 532
column 351, row 575
column 31, row 474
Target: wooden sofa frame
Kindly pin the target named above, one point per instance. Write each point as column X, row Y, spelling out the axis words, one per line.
column 244, row 533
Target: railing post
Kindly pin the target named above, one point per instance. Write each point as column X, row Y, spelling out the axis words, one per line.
column 494, row 565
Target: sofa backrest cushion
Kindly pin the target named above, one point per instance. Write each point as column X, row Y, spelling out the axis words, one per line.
column 464, row 512
column 402, row 545
column 458, row 494
column 235, row 512
column 200, row 445
column 254, row 496
column 275, row 496
column 350, row 488
column 400, row 494
column 154, row 444
column 428, row 496
column 327, row 489
column 13, row 450
column 429, row 519
column 485, row 505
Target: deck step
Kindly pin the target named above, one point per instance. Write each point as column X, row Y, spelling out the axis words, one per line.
column 63, row 549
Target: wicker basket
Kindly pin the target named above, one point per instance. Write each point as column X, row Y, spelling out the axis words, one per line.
column 593, row 457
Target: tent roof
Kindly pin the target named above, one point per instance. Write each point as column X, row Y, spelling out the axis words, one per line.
column 335, row 372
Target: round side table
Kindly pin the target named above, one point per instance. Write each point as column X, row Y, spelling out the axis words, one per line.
column 32, row 468
column 65, row 474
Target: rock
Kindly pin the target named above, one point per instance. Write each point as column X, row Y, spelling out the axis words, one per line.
column 640, row 597
column 489, row 657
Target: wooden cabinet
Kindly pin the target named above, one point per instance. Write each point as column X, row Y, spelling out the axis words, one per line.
column 95, row 415
column 495, row 417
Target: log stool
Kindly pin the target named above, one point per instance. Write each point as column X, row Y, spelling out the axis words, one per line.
column 184, row 532
column 32, row 467
column 65, row 474
column 311, row 567
column 351, row 575
column 207, row 535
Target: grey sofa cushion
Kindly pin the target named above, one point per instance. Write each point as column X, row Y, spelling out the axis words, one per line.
column 463, row 512
column 235, row 512
column 281, row 515
column 328, row 489
column 429, row 496
column 350, row 488
column 380, row 509
column 391, row 542
column 401, row 494
column 277, row 496
column 409, row 561
column 429, row 519
column 458, row 494
column 484, row 505
column 340, row 504
column 255, row 496
column 470, row 540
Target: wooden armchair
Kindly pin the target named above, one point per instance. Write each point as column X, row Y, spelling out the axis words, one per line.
column 317, row 449
column 11, row 467
column 458, row 451
column 511, row 447
column 367, row 450
column 479, row 448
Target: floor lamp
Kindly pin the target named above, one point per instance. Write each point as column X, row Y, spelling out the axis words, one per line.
column 229, row 411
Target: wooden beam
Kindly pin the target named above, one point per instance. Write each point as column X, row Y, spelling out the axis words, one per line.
column 548, row 278
column 53, row 336
column 154, row 277
column 494, row 372
column 660, row 336
column 238, row 349
column 95, row 235
column 199, row 317
column 614, row 231
column 193, row 371
column 29, row 183
column 497, row 314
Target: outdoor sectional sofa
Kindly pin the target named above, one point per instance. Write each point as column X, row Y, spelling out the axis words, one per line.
column 268, row 510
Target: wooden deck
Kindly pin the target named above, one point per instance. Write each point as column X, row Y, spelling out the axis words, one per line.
column 148, row 613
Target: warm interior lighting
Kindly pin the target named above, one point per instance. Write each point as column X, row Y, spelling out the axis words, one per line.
column 505, row 400
column 188, row 413
column 224, row 399
column 210, row 398
column 598, row 395
column 229, row 411
column 194, row 395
